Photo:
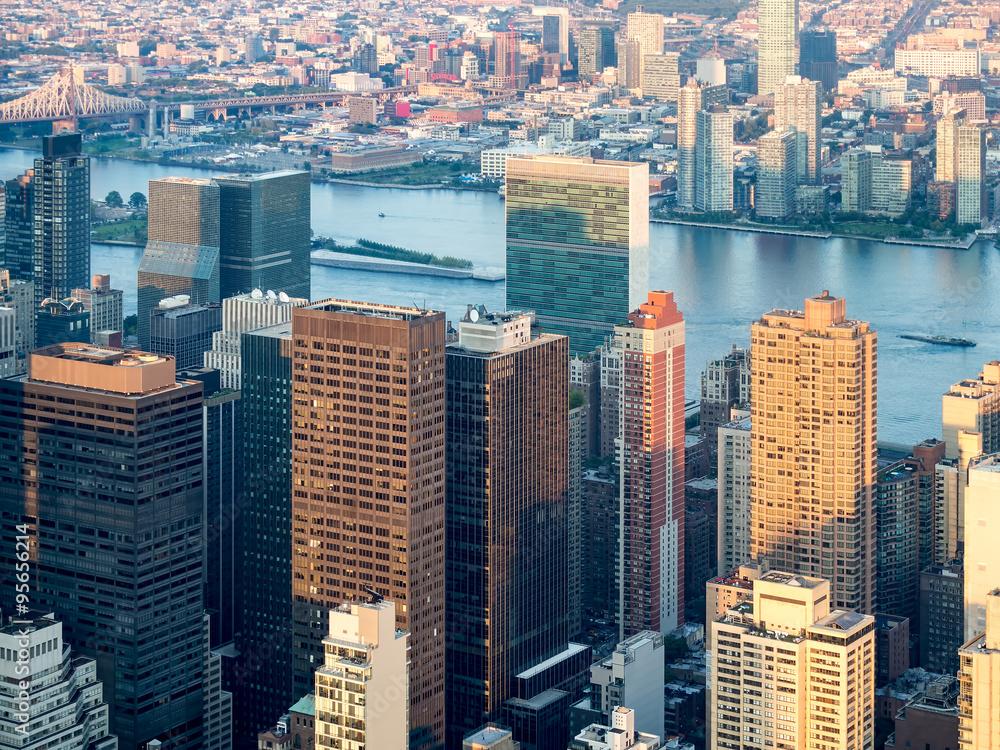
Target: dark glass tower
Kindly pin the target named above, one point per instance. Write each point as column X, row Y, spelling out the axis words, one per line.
column 263, row 673
column 596, row 48
column 818, row 57
column 507, row 490
column 61, row 188
column 110, row 486
column 184, row 331
column 19, row 250
column 266, row 237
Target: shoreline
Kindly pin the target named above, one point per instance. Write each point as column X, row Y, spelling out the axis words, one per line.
column 963, row 244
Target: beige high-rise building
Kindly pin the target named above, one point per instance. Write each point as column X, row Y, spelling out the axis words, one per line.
column 777, row 42
column 982, row 532
column 813, row 459
column 692, row 99
column 788, row 668
column 970, row 174
column 661, row 76
column 979, row 688
column 776, row 175
column 714, row 160
column 361, row 687
column 647, row 30
column 797, row 106
column 946, row 137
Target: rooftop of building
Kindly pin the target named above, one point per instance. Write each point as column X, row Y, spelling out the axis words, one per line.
column 888, row 622
column 843, row 621
column 488, row 734
column 305, row 705
column 791, row 579
column 30, row 621
column 280, row 331
column 988, row 462
column 539, row 701
column 733, row 581
column 571, row 650
column 245, row 177
column 372, row 310
column 184, row 180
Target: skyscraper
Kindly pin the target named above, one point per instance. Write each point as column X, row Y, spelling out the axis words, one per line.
column 266, row 238
column 596, row 47
column 651, row 588
column 714, row 160
column 970, row 174
column 946, row 143
column 264, row 666
column 776, row 175
column 647, row 30
column 979, row 690
column 20, row 296
column 897, row 540
column 112, row 544
column 183, row 330
column 19, row 225
column 507, row 530
column 818, row 57
column 507, row 59
column 856, row 180
column 692, row 99
column 577, row 243
column 813, row 664
column 777, row 42
column 61, row 203
column 104, row 304
column 797, row 106
column 629, row 64
column 555, row 30
column 661, row 78
column 735, row 506
column 982, row 557
column 368, row 510
column 813, row 456
column 182, row 252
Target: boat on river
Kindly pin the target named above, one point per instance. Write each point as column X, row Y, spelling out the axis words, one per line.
column 943, row 340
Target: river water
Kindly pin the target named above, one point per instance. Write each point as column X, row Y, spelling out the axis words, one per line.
column 722, row 280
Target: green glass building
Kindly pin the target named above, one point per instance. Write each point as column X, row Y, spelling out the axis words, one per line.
column 577, row 243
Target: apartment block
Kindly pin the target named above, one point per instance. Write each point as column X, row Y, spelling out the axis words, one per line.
column 776, row 175
column 734, row 536
column 797, row 107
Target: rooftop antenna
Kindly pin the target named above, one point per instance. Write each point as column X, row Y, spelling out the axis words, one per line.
column 377, row 598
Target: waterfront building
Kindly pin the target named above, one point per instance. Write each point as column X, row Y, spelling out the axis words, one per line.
column 596, row 48
column 71, row 511
column 776, row 175
column 104, row 305
column 65, row 699
column 777, row 42
column 946, row 144
column 264, row 689
column 813, row 667
column 632, row 675
column 61, row 203
column 979, row 690
column 661, row 77
column 714, row 160
column 19, row 227
column 970, row 174
column 982, row 556
column 892, row 183
column 856, row 180
column 646, row 29
column 580, row 269
column 507, row 60
column 798, row 103
column 941, row 200
column 651, row 465
column 804, row 471
column 182, row 251
column 493, row 161
column 183, row 330
column 507, row 525
column 818, row 57
column 20, row 296
column 692, row 99
column 734, row 532
column 361, row 687
column 724, row 385
column 242, row 313
column 401, row 518
column 942, row 595
column 897, row 539
column 266, row 241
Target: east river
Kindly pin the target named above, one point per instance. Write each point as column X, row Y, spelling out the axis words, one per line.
column 722, row 280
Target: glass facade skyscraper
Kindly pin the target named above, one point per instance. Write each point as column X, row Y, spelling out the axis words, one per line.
column 19, row 223
column 61, row 203
column 507, row 486
column 577, row 243
column 115, row 517
column 266, row 235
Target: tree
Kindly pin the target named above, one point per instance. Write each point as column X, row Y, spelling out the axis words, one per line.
column 114, row 199
column 137, row 200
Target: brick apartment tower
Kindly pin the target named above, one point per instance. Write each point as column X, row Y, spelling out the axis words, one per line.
column 813, row 463
column 651, row 548
column 368, row 484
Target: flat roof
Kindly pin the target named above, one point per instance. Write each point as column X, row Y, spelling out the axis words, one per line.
column 487, row 735
column 570, row 650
